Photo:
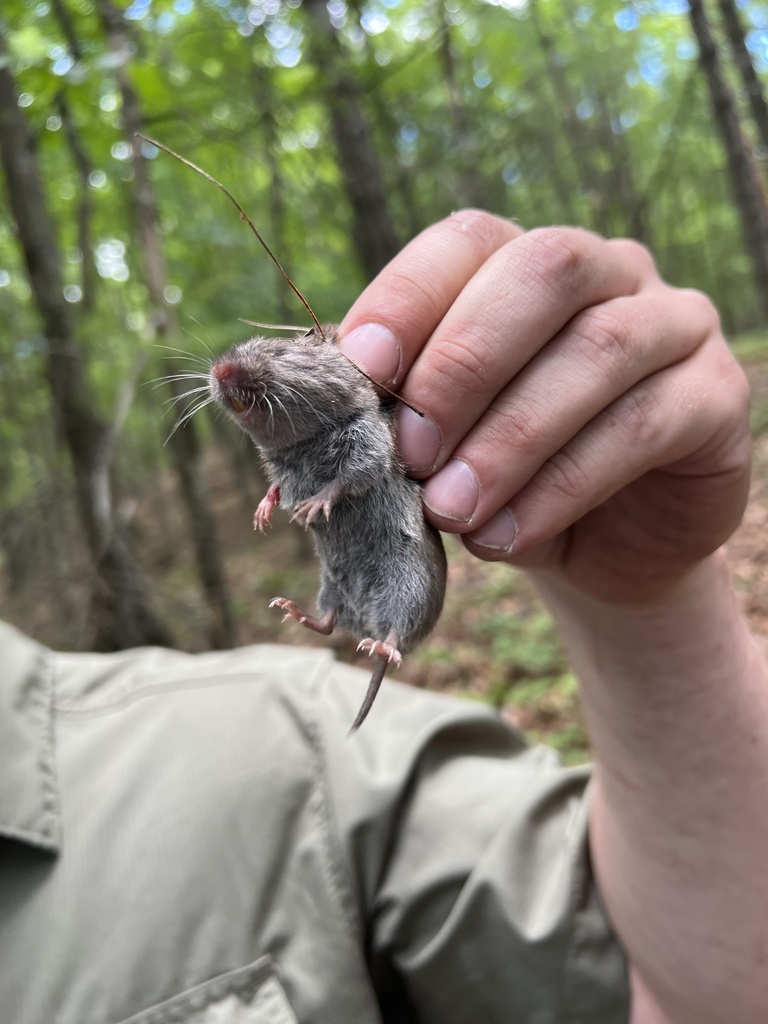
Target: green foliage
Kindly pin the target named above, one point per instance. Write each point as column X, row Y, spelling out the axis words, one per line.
column 526, row 645
column 750, row 345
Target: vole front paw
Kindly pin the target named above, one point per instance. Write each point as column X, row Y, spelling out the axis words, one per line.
column 309, row 509
column 263, row 514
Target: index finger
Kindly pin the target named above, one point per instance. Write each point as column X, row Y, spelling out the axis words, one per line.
column 390, row 322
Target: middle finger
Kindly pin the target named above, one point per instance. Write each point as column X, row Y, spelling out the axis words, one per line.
column 516, row 302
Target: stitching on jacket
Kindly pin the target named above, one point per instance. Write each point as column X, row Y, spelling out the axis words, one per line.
column 332, row 859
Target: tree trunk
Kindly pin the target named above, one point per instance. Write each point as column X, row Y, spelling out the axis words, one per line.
column 372, row 227
column 184, row 444
column 638, row 215
column 752, row 83
column 85, row 207
column 121, row 609
column 585, row 174
column 471, row 187
column 748, row 195
column 264, row 96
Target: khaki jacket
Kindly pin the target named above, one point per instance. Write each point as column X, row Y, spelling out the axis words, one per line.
column 192, row 839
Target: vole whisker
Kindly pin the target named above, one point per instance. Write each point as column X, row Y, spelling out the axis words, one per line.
column 194, row 407
column 207, row 347
column 265, row 398
column 274, row 327
column 298, row 395
column 182, row 353
column 282, row 407
column 188, row 415
column 158, row 382
column 187, row 394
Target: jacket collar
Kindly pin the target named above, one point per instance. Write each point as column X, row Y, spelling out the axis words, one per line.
column 29, row 793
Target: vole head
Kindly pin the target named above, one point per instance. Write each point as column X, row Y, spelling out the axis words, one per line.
column 285, row 390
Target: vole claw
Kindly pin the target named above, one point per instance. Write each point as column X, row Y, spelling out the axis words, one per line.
column 323, row 625
column 263, row 514
column 306, row 512
column 292, row 610
column 386, row 650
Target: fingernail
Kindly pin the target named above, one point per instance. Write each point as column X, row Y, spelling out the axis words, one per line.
column 498, row 534
column 453, row 492
column 418, row 440
column 375, row 349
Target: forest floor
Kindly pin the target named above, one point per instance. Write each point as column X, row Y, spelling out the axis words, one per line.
column 494, row 642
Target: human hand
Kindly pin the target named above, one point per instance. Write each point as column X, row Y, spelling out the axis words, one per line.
column 582, row 416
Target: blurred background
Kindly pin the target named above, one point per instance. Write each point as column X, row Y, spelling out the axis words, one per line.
column 343, row 128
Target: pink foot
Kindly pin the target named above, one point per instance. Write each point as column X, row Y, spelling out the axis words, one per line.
column 292, row 611
column 306, row 512
column 383, row 648
column 267, row 506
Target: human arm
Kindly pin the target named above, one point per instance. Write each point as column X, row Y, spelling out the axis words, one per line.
column 590, row 424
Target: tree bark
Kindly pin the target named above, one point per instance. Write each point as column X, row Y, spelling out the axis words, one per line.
column 184, row 443
column 264, row 96
column 747, row 192
column 471, row 187
column 121, row 609
column 585, row 174
column 752, row 83
column 85, row 206
column 372, row 228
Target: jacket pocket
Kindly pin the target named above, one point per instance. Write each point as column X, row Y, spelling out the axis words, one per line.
column 247, row 995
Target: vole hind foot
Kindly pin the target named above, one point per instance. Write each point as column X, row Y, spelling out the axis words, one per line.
column 385, row 651
column 292, row 611
column 383, row 648
column 267, row 505
column 307, row 511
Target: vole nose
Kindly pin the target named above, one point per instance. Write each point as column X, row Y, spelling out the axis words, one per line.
column 223, row 370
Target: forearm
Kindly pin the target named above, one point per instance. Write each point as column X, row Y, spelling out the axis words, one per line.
column 676, row 701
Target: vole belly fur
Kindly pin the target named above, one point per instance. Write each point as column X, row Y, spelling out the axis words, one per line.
column 328, row 445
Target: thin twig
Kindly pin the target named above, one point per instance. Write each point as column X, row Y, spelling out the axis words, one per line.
column 275, row 260
column 245, row 217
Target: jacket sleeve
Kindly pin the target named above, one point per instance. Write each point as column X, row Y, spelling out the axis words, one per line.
column 468, row 851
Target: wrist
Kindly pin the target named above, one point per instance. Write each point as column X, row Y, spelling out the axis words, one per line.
column 654, row 605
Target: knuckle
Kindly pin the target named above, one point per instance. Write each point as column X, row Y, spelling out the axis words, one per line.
column 404, row 286
column 460, row 362
column 637, row 254
column 563, row 475
column 489, row 229
column 483, row 233
column 559, row 253
column 519, row 427
column 604, row 336
column 636, row 414
column 700, row 311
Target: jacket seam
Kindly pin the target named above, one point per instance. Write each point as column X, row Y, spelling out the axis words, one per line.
column 333, row 861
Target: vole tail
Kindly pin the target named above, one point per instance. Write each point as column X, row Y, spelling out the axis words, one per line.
column 373, row 688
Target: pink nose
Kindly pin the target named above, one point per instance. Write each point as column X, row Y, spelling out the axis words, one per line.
column 223, row 370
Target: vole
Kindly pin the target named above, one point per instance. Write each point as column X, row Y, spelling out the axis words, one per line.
column 328, row 444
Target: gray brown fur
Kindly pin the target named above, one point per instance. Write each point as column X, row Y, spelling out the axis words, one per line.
column 323, row 431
